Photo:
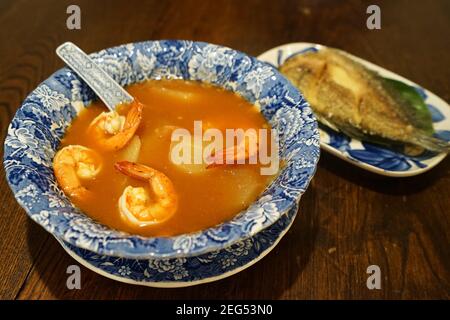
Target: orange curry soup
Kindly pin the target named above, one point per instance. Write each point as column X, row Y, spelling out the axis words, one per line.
column 204, row 199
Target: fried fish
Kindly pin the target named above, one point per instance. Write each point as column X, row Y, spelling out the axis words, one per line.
column 357, row 101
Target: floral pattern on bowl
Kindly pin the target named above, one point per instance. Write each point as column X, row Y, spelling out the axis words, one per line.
column 186, row 271
column 366, row 155
column 39, row 125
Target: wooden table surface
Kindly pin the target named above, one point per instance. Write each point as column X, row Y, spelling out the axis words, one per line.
column 348, row 219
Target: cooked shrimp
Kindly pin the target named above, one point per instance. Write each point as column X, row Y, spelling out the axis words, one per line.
column 246, row 149
column 113, row 131
column 136, row 206
column 75, row 163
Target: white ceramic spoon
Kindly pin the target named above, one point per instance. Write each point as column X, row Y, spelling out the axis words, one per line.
column 108, row 90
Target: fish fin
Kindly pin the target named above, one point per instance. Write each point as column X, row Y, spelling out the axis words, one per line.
column 326, row 122
column 431, row 143
column 358, row 134
column 353, row 132
column 372, row 138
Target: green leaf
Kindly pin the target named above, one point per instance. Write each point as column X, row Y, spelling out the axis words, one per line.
column 412, row 102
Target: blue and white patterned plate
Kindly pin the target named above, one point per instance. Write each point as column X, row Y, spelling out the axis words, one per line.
column 368, row 156
column 40, row 123
column 186, row 271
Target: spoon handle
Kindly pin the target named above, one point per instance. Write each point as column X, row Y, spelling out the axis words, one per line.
column 109, row 91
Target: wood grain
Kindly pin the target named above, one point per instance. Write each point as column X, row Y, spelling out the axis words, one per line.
column 348, row 219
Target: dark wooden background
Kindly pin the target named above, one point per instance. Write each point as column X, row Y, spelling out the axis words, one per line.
column 348, row 219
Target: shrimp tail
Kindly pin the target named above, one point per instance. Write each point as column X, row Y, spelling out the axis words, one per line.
column 132, row 122
column 238, row 154
column 134, row 116
column 431, row 143
column 135, row 170
column 79, row 193
column 219, row 157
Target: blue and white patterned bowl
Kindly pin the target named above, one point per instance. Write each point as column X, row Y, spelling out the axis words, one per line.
column 190, row 270
column 38, row 126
